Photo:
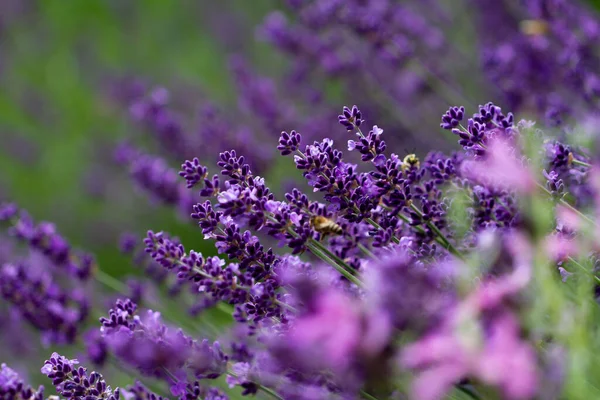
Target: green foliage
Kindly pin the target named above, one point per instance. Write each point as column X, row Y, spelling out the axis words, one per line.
column 56, row 62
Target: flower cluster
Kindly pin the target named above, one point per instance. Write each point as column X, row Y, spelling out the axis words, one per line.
column 395, row 275
column 13, row 387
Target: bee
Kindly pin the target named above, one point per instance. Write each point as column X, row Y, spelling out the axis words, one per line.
column 325, row 226
column 411, row 160
column 534, row 27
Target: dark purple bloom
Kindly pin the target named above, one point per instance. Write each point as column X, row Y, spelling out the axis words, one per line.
column 14, row 388
column 289, row 142
column 57, row 313
column 554, row 184
column 350, row 118
column 128, row 242
column 74, row 382
column 138, row 391
column 193, row 172
column 161, row 183
column 453, row 117
column 45, row 238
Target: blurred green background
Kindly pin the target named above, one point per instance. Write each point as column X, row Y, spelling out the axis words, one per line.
column 58, row 126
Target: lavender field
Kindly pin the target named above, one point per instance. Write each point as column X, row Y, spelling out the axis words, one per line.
column 300, row 199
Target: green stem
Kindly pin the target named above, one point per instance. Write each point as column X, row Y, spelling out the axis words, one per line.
column 367, row 252
column 317, row 252
column 469, row 392
column 331, row 255
column 582, row 163
column 269, row 391
column 566, row 204
column 285, row 305
column 110, row 281
column 572, row 260
column 367, row 396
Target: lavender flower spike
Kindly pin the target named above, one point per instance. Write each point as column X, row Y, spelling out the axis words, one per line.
column 74, row 382
column 12, row 386
column 350, row 118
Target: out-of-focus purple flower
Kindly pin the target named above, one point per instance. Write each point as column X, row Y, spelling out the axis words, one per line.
column 559, row 247
column 57, row 313
column 409, row 292
column 14, row 388
column 45, row 238
column 153, row 348
column 144, row 342
column 95, row 346
column 332, row 330
column 480, row 337
column 128, row 242
column 496, row 355
column 138, row 391
column 161, row 183
column 501, row 169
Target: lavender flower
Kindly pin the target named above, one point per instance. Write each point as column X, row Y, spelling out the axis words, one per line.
column 397, row 263
column 13, row 387
column 44, row 237
column 75, row 382
column 55, row 312
column 351, row 118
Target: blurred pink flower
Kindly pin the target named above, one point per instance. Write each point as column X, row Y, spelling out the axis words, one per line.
column 499, row 358
column 559, row 247
column 568, row 218
column 501, row 168
column 480, row 338
column 334, row 328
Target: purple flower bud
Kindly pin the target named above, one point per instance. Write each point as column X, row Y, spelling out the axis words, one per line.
column 74, row 382
column 13, row 387
column 350, row 118
column 193, row 172
column 452, row 118
column 289, row 142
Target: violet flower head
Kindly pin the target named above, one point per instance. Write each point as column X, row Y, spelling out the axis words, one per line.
column 351, row 119
column 138, row 391
column 55, row 312
column 502, row 360
column 13, row 387
column 143, row 341
column 554, row 184
column 411, row 293
column 288, row 142
column 45, row 238
column 8, row 211
column 71, row 381
column 452, row 118
column 193, row 172
column 501, row 169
